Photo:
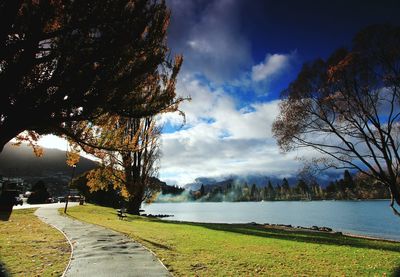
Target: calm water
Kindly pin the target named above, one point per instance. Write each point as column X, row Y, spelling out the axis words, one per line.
column 372, row 218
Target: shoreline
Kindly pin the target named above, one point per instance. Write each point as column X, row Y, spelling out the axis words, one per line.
column 261, row 201
column 284, row 227
column 369, row 237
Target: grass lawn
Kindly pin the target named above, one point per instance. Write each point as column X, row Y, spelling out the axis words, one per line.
column 29, row 247
column 193, row 249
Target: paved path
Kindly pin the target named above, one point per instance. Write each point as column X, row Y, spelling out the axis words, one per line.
column 50, row 205
column 98, row 251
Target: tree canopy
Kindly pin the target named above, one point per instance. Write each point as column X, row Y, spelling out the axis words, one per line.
column 132, row 168
column 62, row 62
column 347, row 107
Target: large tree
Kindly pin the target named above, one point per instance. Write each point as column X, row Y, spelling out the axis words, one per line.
column 132, row 167
column 347, row 107
column 62, row 62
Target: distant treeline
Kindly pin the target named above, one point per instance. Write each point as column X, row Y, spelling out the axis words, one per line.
column 347, row 188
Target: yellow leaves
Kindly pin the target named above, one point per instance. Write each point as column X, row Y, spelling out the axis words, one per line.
column 73, row 154
column 37, row 150
column 72, row 158
column 101, row 178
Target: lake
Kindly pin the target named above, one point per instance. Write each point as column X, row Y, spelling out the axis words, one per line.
column 370, row 218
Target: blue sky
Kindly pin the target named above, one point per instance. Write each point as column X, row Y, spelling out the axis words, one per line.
column 238, row 56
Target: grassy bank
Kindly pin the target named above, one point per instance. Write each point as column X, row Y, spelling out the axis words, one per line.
column 190, row 249
column 29, row 247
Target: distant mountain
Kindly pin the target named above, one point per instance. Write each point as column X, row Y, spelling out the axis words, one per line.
column 259, row 180
column 21, row 161
column 51, row 168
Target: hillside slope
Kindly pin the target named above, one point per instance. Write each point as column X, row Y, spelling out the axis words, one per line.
column 20, row 161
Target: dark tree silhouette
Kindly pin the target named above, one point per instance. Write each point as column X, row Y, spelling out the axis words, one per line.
column 202, row 191
column 39, row 193
column 348, row 108
column 62, row 62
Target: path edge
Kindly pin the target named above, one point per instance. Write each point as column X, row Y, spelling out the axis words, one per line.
column 125, row 235
column 141, row 244
column 69, row 241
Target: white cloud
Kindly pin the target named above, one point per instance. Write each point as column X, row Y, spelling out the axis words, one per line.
column 55, row 142
column 272, row 65
column 220, row 139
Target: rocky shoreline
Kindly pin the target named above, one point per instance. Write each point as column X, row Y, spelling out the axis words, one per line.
column 312, row 228
column 157, row 215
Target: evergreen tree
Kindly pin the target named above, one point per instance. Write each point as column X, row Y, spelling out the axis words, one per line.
column 285, row 188
column 254, row 193
column 202, row 190
column 302, row 188
column 348, row 180
column 271, row 191
column 245, row 193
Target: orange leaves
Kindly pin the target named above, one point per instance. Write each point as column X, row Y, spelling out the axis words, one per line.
column 99, row 179
column 335, row 71
column 31, row 138
column 72, row 158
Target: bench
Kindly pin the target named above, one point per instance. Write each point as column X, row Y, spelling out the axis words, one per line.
column 121, row 214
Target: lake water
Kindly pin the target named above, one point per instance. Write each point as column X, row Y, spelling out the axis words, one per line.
column 371, row 218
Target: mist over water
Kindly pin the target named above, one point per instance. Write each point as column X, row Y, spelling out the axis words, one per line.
column 371, row 218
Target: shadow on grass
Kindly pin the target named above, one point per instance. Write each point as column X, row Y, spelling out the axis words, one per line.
column 3, row 270
column 396, row 272
column 298, row 236
column 155, row 244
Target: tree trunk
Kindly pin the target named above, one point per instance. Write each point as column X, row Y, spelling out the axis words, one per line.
column 134, row 204
column 395, row 197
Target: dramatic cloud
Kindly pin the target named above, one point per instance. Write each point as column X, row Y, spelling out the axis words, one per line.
column 210, row 38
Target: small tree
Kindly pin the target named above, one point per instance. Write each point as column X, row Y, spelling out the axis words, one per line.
column 348, row 108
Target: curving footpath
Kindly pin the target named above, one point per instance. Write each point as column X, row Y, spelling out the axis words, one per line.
column 97, row 251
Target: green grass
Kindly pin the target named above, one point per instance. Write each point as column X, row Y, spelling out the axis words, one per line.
column 192, row 249
column 29, row 247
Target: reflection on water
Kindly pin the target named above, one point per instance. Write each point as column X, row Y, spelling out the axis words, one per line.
column 371, row 218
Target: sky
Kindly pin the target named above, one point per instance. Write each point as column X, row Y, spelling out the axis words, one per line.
column 238, row 56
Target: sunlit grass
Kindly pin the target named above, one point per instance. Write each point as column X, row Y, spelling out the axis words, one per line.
column 238, row 250
column 29, row 247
